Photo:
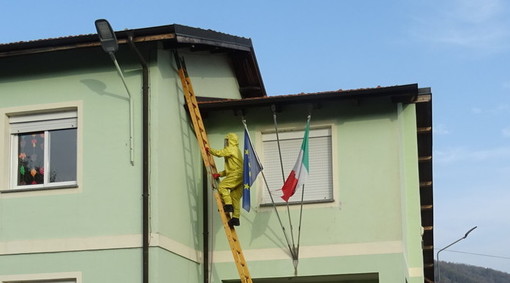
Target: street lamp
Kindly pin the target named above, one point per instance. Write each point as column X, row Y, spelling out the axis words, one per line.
column 106, row 36
column 437, row 256
column 110, row 45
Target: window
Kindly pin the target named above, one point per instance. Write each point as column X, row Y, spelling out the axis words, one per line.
column 45, row 281
column 43, row 150
column 319, row 185
column 64, row 277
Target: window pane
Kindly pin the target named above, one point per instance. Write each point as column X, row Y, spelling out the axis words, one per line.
column 63, row 155
column 31, row 158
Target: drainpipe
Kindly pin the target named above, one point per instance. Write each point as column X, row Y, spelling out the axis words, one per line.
column 205, row 225
column 145, row 157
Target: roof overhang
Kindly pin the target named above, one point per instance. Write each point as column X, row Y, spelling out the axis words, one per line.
column 424, row 133
column 240, row 50
column 403, row 93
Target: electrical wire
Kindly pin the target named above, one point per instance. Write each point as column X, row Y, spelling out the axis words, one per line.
column 478, row 254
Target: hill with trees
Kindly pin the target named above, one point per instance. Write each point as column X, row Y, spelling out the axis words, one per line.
column 463, row 273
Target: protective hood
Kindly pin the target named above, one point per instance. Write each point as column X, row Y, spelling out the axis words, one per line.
column 232, row 139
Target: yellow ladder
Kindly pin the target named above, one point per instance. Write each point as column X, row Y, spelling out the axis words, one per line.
column 198, row 125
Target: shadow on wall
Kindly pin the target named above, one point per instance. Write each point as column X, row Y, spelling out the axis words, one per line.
column 277, row 237
column 99, row 87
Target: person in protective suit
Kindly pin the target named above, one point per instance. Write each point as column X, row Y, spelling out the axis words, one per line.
column 231, row 187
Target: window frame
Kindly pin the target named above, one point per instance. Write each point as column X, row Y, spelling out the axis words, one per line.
column 8, row 181
column 296, row 133
column 62, row 277
column 41, row 122
column 54, row 280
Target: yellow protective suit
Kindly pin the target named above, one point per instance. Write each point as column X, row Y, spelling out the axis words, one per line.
column 231, row 187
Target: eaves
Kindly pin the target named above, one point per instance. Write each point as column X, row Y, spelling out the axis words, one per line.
column 239, row 49
column 402, row 93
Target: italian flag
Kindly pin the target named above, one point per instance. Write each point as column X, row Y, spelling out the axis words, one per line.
column 299, row 173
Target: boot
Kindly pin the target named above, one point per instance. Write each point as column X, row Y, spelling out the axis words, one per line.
column 234, row 222
column 228, row 208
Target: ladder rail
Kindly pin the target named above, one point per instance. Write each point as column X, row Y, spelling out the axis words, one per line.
column 209, row 163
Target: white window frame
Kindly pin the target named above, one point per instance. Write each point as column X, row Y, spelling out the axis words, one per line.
column 40, row 122
column 44, row 281
column 319, row 187
column 63, row 277
column 6, row 144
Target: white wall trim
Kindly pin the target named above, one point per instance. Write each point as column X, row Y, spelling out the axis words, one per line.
column 77, row 276
column 70, row 244
column 416, row 272
column 158, row 240
column 98, row 243
column 389, row 247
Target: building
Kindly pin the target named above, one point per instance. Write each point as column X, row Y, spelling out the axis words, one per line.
column 122, row 196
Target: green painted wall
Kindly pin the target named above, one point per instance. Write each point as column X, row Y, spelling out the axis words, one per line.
column 375, row 178
column 374, row 173
column 367, row 173
column 94, row 266
column 176, row 165
column 381, row 264
column 168, row 267
column 107, row 200
column 410, row 192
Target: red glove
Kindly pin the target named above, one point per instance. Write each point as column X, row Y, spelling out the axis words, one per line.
column 215, row 175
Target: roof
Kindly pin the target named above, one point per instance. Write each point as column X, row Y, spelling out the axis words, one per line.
column 403, row 93
column 421, row 97
column 239, row 49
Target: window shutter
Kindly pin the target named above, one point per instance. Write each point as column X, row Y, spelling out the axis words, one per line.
column 43, row 121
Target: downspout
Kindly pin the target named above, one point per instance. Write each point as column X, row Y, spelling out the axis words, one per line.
column 145, row 157
column 205, row 225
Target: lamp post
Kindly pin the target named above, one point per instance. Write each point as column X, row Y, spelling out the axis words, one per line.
column 110, row 45
column 437, row 256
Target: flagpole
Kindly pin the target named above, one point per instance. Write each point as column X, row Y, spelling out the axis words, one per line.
column 273, row 108
column 248, row 133
column 291, row 250
column 296, row 261
column 269, row 191
column 301, row 213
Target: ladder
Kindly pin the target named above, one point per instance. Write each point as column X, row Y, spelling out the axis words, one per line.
column 198, row 126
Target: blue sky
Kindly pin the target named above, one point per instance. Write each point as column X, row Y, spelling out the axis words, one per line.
column 459, row 48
